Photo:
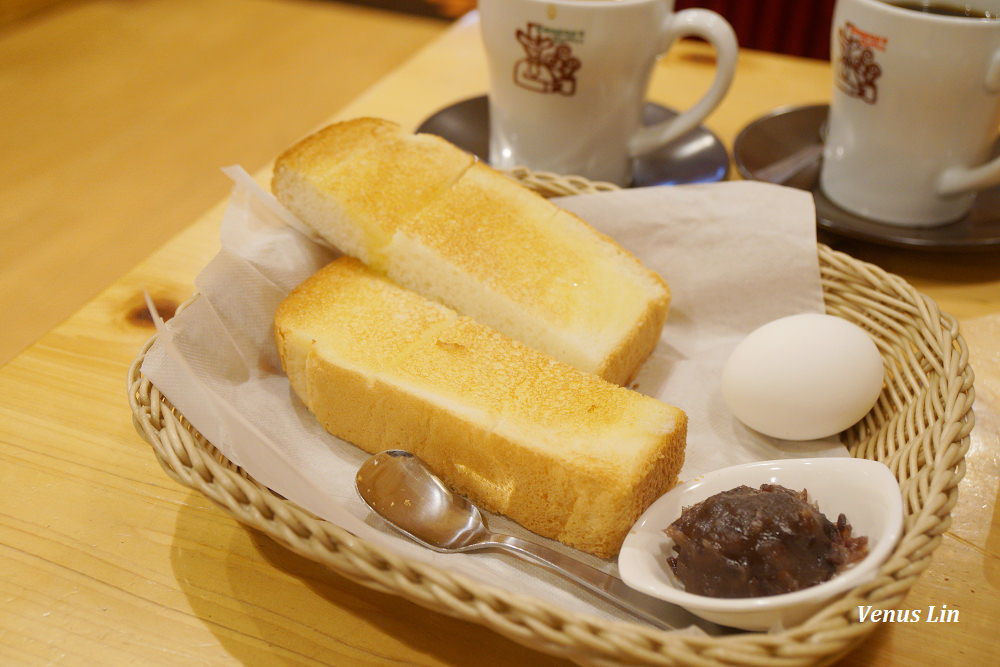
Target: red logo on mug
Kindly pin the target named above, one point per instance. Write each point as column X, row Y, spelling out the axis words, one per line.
column 549, row 65
column 857, row 69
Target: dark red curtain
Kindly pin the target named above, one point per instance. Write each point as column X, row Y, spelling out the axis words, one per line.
column 795, row 27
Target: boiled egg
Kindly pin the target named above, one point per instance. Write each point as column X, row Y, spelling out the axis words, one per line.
column 803, row 377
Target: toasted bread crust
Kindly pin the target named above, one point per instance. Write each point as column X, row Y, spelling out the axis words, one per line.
column 457, row 231
column 355, row 182
column 562, row 452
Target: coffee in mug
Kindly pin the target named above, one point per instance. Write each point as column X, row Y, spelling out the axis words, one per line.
column 915, row 109
column 947, row 9
column 568, row 81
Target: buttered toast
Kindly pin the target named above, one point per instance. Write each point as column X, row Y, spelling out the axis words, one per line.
column 438, row 222
column 562, row 452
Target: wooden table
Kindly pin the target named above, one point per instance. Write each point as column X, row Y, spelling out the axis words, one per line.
column 105, row 560
column 117, row 115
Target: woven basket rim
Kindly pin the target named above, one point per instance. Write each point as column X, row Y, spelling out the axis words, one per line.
column 927, row 454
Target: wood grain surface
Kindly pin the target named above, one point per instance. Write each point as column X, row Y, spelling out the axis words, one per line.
column 106, row 560
column 116, row 117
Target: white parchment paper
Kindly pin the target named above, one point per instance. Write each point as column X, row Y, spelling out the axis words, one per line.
column 736, row 255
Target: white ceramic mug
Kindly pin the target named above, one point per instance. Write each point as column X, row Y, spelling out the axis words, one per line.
column 568, row 81
column 914, row 113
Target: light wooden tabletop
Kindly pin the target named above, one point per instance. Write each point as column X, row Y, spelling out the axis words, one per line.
column 117, row 116
column 106, row 560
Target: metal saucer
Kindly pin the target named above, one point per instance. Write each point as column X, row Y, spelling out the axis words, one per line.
column 696, row 157
column 784, row 131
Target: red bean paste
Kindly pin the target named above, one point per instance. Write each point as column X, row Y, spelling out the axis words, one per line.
column 747, row 542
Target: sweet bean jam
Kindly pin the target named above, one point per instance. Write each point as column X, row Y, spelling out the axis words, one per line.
column 749, row 542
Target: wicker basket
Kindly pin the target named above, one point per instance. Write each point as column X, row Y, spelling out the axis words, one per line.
column 920, row 428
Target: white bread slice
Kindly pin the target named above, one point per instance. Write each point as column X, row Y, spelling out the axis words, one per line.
column 562, row 452
column 355, row 181
column 459, row 232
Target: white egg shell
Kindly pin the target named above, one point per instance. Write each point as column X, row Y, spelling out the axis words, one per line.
column 803, row 377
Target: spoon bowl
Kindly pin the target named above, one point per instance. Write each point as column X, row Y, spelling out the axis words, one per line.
column 400, row 488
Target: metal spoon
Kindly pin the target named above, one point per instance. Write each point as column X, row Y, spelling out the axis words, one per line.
column 401, row 489
column 787, row 168
column 795, row 163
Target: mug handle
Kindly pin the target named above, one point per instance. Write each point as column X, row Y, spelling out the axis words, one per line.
column 959, row 180
column 711, row 27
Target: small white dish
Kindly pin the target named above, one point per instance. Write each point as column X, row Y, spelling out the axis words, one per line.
column 866, row 492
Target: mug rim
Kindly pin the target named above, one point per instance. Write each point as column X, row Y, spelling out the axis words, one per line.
column 972, row 23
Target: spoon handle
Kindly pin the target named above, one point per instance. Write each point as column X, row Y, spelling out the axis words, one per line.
column 783, row 170
column 653, row 610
